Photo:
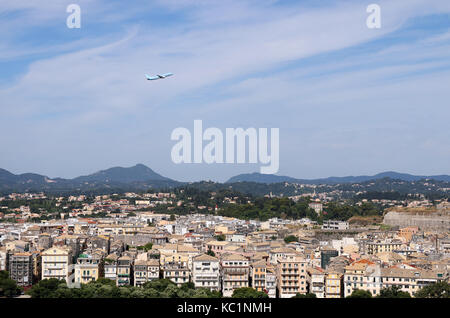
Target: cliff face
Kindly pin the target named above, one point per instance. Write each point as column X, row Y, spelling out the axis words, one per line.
column 438, row 220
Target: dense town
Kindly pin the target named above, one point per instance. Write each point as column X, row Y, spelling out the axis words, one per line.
column 133, row 240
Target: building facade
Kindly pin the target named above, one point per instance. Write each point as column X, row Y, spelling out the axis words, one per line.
column 235, row 273
column 87, row 269
column 292, row 276
column 21, row 268
column 145, row 271
column 206, row 272
column 57, row 262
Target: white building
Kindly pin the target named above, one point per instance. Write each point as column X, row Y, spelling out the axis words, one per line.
column 3, row 258
column 145, row 271
column 111, row 267
column 317, row 282
column 235, row 273
column 206, row 272
column 335, row 225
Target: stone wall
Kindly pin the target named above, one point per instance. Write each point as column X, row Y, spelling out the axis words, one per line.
column 428, row 221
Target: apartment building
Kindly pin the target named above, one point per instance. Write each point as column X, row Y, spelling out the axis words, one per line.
column 258, row 275
column 124, row 265
column 259, row 247
column 316, row 281
column 333, row 284
column 3, row 259
column 206, row 272
column 410, row 280
column 292, row 276
column 371, row 277
column 281, row 252
column 235, row 273
column 145, row 270
column 189, row 252
column 21, row 268
column 335, row 225
column 110, row 266
column 177, row 272
column 364, row 275
column 373, row 248
column 271, row 281
column 88, row 268
column 57, row 262
column 118, row 229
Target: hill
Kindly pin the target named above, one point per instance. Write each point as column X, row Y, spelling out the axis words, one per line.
column 138, row 177
column 266, row 178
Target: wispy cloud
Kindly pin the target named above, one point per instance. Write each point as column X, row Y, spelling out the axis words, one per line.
column 271, row 63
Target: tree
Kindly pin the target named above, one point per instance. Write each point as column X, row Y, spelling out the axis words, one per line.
column 393, row 292
column 290, row 238
column 46, row 288
column 148, row 246
column 187, row 286
column 436, row 290
column 359, row 293
column 210, row 252
column 8, row 286
column 248, row 292
column 159, row 285
column 172, row 217
column 220, row 237
column 206, row 293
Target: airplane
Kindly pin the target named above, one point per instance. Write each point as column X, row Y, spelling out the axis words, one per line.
column 158, row 76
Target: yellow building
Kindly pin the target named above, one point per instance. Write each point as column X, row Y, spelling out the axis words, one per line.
column 258, row 274
column 333, row 284
column 87, row 269
column 373, row 248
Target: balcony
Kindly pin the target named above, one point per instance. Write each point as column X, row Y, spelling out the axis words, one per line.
column 206, row 277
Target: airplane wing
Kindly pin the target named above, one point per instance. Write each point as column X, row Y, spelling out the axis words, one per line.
column 151, row 78
column 167, row 75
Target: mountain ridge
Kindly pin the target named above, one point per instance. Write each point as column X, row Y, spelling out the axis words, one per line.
column 141, row 177
column 135, row 177
column 262, row 178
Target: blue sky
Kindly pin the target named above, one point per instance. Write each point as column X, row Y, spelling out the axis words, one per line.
column 348, row 100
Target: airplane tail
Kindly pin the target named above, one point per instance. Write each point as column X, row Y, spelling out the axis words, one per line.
column 147, row 76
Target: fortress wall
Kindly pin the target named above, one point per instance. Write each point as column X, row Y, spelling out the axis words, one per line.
column 424, row 222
